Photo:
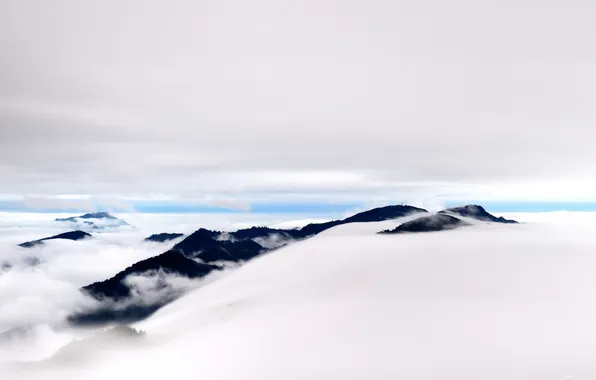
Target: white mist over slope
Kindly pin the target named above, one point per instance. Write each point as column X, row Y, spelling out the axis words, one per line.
column 482, row 302
column 39, row 286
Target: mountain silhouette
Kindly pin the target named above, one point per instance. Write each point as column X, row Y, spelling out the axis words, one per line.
column 374, row 215
column 477, row 212
column 448, row 219
column 163, row 237
column 93, row 215
column 94, row 221
column 71, row 235
column 431, row 223
column 115, row 290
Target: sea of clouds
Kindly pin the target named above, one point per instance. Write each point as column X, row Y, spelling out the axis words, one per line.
column 486, row 301
column 39, row 286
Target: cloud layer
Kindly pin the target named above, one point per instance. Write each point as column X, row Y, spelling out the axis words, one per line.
column 228, row 97
column 485, row 301
column 39, row 286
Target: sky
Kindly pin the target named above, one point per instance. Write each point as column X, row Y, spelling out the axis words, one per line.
column 235, row 105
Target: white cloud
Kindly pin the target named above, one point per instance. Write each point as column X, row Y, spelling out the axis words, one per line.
column 38, row 298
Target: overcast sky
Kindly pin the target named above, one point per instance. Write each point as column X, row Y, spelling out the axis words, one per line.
column 234, row 101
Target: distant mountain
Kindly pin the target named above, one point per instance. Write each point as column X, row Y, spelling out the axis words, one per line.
column 477, row 212
column 204, row 245
column 268, row 238
column 448, row 219
column 190, row 258
column 289, row 234
column 431, row 223
column 380, row 214
column 313, row 229
column 93, row 215
column 256, row 232
column 170, row 262
column 231, row 251
column 115, row 289
column 374, row 215
column 94, row 221
column 72, row 235
column 163, row 237
column 198, row 240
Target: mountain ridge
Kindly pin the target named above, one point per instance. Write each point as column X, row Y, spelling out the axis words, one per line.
column 477, row 212
column 203, row 248
column 94, row 221
column 163, row 237
column 70, row 235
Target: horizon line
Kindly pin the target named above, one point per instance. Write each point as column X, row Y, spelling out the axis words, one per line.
column 172, row 207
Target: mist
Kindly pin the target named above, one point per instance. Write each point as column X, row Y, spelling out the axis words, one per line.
column 40, row 286
column 486, row 301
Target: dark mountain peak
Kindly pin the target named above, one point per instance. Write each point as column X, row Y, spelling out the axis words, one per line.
column 95, row 221
column 384, row 213
column 477, row 212
column 255, row 228
column 203, row 234
column 315, row 228
column 71, row 235
column 232, row 251
column 98, row 215
column 163, row 237
column 430, row 223
column 258, row 232
column 180, row 260
column 471, row 210
column 115, row 289
column 171, row 262
column 374, row 215
column 204, row 245
column 92, row 215
column 198, row 240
